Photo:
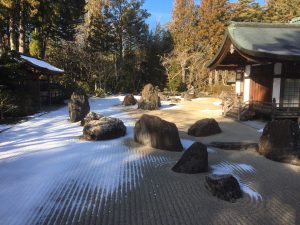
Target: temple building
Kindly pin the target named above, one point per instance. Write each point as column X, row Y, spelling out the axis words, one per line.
column 266, row 59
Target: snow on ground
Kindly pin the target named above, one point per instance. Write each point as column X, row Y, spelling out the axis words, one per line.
column 218, row 103
column 44, row 166
column 4, row 127
column 256, row 124
column 44, row 156
column 236, row 169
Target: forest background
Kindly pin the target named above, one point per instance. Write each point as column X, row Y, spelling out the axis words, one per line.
column 107, row 46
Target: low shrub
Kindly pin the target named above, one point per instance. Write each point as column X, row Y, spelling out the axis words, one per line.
column 99, row 92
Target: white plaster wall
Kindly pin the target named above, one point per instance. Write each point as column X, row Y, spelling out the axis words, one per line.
column 246, row 89
column 247, row 71
column 276, row 89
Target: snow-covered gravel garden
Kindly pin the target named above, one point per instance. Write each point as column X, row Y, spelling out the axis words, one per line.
column 49, row 176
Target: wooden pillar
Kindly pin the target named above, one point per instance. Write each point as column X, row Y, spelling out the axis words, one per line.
column 210, row 78
column 276, row 93
column 247, row 83
column 39, row 93
column 216, row 77
column 49, row 90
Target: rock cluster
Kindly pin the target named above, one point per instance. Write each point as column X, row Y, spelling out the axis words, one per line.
column 78, row 106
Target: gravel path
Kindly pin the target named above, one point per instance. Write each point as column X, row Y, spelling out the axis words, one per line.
column 48, row 176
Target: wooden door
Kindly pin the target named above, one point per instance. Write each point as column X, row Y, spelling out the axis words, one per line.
column 261, row 88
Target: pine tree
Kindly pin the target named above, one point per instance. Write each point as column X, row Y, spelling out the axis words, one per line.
column 28, row 9
column 183, row 24
column 214, row 17
column 56, row 21
column 281, row 11
column 247, row 11
column 183, row 29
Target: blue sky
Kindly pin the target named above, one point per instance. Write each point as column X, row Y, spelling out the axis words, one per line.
column 161, row 10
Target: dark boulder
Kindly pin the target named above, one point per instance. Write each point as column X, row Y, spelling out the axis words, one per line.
column 129, row 100
column 149, row 99
column 78, row 106
column 225, row 187
column 104, row 129
column 280, row 141
column 239, row 146
column 157, row 133
column 204, row 127
column 89, row 117
column 193, row 160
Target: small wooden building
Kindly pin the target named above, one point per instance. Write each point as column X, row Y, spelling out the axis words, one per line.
column 266, row 58
column 43, row 73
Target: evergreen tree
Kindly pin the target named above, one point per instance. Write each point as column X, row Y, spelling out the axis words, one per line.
column 214, row 16
column 183, row 24
column 281, row 11
column 183, row 29
column 247, row 11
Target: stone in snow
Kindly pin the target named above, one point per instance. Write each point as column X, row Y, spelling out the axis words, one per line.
column 225, row 187
column 89, row 117
column 129, row 100
column 105, row 128
column 78, row 106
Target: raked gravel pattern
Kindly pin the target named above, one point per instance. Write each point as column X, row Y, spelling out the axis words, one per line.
column 49, row 176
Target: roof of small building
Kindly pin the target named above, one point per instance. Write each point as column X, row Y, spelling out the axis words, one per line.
column 37, row 64
column 263, row 40
column 41, row 64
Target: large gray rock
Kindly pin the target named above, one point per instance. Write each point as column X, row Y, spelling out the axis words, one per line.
column 193, row 160
column 149, row 99
column 204, row 127
column 280, row 141
column 78, row 106
column 225, row 187
column 129, row 100
column 157, row 133
column 104, row 129
column 89, row 117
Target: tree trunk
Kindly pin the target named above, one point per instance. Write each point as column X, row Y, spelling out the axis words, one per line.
column 12, row 33
column 1, row 44
column 216, row 77
column 22, row 28
column 13, row 24
column 210, row 78
column 183, row 73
